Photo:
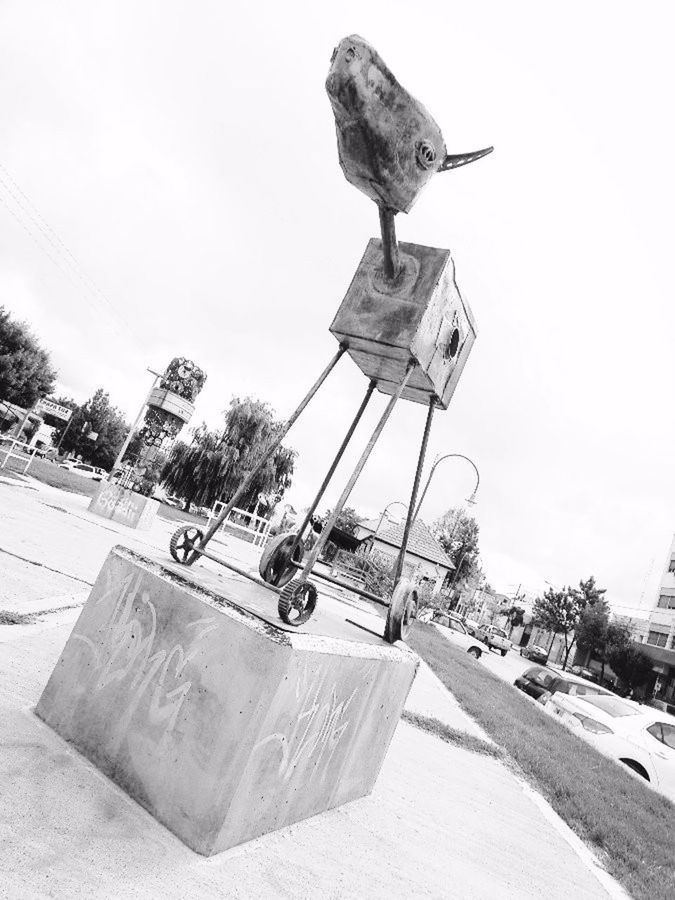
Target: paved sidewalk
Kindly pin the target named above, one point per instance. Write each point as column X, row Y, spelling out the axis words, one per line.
column 442, row 821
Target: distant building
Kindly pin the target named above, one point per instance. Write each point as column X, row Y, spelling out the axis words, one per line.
column 637, row 627
column 425, row 559
column 487, row 605
column 14, row 419
column 659, row 643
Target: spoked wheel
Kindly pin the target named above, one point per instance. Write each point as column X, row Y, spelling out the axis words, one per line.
column 297, row 602
column 276, row 564
column 402, row 612
column 183, row 542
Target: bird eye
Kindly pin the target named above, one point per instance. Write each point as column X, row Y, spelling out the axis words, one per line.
column 426, row 154
column 350, row 54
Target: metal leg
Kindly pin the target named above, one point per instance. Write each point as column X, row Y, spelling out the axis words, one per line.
column 323, row 537
column 416, row 483
column 245, row 484
column 336, row 461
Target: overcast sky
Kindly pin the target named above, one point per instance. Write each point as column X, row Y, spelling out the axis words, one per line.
column 185, row 155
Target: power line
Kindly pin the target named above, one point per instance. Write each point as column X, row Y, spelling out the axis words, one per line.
column 64, row 254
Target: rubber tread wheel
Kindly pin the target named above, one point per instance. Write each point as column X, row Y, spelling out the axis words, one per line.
column 402, row 612
column 275, row 565
column 183, row 542
column 297, row 602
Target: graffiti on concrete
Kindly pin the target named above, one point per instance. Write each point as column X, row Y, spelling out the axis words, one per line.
column 318, row 729
column 111, row 500
column 127, row 649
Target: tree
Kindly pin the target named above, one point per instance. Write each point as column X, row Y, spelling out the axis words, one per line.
column 591, row 631
column 515, row 616
column 106, row 421
column 26, row 372
column 212, row 466
column 348, row 519
column 377, row 571
column 558, row 611
column 630, row 663
column 588, row 593
column 457, row 533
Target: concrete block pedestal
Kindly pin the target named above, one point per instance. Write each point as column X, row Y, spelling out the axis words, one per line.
column 223, row 722
column 124, row 506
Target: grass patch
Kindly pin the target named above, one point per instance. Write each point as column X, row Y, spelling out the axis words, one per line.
column 630, row 828
column 452, row 735
column 175, row 514
column 13, row 618
column 50, row 473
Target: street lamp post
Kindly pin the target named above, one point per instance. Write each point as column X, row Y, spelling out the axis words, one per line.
column 384, row 513
column 470, row 500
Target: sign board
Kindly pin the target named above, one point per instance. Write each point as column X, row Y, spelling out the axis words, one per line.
column 53, row 409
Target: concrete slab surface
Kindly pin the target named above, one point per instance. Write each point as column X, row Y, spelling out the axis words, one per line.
column 441, row 822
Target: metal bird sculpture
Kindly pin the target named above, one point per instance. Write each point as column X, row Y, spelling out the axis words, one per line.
column 388, row 144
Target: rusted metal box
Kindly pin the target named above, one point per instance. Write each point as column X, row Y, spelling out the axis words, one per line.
column 420, row 314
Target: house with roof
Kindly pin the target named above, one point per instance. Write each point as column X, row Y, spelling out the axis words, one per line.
column 425, row 559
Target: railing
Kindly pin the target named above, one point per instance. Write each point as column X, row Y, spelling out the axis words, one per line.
column 27, row 456
column 245, row 525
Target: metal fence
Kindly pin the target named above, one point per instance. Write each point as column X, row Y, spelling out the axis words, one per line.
column 10, row 449
column 242, row 524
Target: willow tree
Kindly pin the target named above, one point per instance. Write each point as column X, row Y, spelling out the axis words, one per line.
column 214, row 463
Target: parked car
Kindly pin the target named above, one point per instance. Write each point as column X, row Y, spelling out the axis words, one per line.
column 495, row 638
column 640, row 737
column 454, row 631
column 541, row 683
column 588, row 674
column 87, row 471
column 471, row 626
column 535, row 653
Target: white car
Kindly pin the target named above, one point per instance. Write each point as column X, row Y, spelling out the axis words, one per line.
column 87, row 471
column 452, row 629
column 640, row 737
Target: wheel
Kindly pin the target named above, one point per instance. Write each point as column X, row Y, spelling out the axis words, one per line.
column 275, row 563
column 474, row 651
column 402, row 612
column 636, row 767
column 297, row 602
column 503, row 652
column 183, row 542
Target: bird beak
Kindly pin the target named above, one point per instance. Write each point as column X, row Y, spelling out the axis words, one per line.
column 462, row 159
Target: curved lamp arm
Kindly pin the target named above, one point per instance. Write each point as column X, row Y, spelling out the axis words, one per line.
column 384, row 513
column 470, row 500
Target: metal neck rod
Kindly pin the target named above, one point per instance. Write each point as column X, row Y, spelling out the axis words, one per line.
column 344, row 496
column 336, row 461
column 271, row 448
column 410, row 518
column 390, row 254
